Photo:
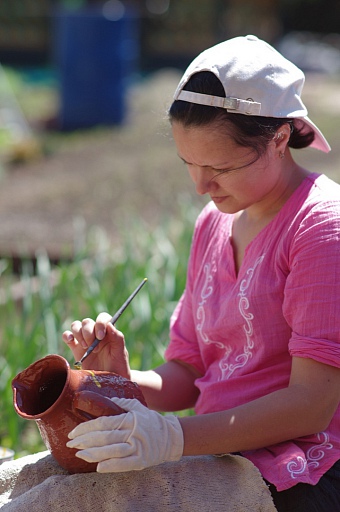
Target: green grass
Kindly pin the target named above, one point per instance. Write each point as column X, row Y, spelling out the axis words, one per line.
column 99, row 279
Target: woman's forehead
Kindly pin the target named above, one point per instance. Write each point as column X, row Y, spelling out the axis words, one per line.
column 205, row 146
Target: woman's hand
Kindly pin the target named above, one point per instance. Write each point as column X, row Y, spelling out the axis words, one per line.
column 135, row 440
column 111, row 353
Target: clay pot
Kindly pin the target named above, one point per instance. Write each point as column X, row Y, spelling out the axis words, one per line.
column 58, row 398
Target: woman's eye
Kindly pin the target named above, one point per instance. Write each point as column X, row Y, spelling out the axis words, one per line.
column 220, row 171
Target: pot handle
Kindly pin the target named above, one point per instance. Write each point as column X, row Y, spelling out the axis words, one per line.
column 89, row 405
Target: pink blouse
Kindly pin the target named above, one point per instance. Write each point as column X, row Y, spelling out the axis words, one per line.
column 241, row 331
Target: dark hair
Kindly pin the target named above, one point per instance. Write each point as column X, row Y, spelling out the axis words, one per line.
column 254, row 132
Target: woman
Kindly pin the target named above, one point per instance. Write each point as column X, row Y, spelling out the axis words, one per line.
column 254, row 340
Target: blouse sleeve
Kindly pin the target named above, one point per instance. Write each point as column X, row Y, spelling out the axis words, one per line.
column 312, row 293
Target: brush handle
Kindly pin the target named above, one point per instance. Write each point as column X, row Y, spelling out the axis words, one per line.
column 112, row 321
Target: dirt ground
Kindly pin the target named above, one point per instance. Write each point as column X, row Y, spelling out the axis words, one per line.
column 105, row 176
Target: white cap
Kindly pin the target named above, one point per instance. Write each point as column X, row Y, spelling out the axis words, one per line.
column 257, row 80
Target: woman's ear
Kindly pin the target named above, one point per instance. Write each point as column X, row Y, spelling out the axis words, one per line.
column 282, row 136
column 281, row 139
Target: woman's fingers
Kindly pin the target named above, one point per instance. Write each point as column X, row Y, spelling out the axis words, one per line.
column 81, row 334
column 68, row 337
column 77, row 331
column 100, row 326
column 86, row 331
column 110, row 354
column 73, row 344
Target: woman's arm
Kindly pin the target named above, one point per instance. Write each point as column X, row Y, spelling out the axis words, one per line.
column 143, row 438
column 170, row 387
column 305, row 407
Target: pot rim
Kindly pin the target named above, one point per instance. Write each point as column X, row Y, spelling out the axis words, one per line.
column 31, row 367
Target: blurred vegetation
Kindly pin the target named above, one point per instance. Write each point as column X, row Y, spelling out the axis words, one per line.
column 99, row 279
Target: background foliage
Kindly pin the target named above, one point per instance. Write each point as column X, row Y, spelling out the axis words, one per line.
column 99, row 279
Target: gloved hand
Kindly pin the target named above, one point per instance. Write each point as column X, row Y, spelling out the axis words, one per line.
column 135, row 440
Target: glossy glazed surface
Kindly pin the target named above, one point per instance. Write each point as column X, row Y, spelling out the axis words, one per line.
column 58, row 398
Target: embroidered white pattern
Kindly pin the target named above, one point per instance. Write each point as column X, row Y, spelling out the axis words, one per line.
column 315, row 453
column 242, row 359
column 313, row 456
column 297, row 467
column 207, row 290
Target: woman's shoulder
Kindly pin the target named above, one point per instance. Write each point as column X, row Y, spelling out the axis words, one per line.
column 317, row 195
column 323, row 190
column 315, row 214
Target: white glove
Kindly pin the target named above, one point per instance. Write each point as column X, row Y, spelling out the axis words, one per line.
column 135, row 440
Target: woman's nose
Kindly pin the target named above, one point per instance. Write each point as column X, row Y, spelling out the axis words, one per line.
column 201, row 179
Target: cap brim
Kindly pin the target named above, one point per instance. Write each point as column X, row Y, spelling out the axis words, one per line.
column 319, row 141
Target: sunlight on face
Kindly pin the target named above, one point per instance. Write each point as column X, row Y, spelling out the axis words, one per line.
column 232, row 175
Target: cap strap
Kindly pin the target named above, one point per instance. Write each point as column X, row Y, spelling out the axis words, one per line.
column 237, row 105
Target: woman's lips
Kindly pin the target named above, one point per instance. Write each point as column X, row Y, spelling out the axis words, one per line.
column 218, row 200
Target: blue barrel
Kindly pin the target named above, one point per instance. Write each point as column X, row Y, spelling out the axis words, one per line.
column 96, row 55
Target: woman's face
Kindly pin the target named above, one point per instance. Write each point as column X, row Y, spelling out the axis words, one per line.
column 224, row 170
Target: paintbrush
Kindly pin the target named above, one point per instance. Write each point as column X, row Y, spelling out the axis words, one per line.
column 113, row 320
